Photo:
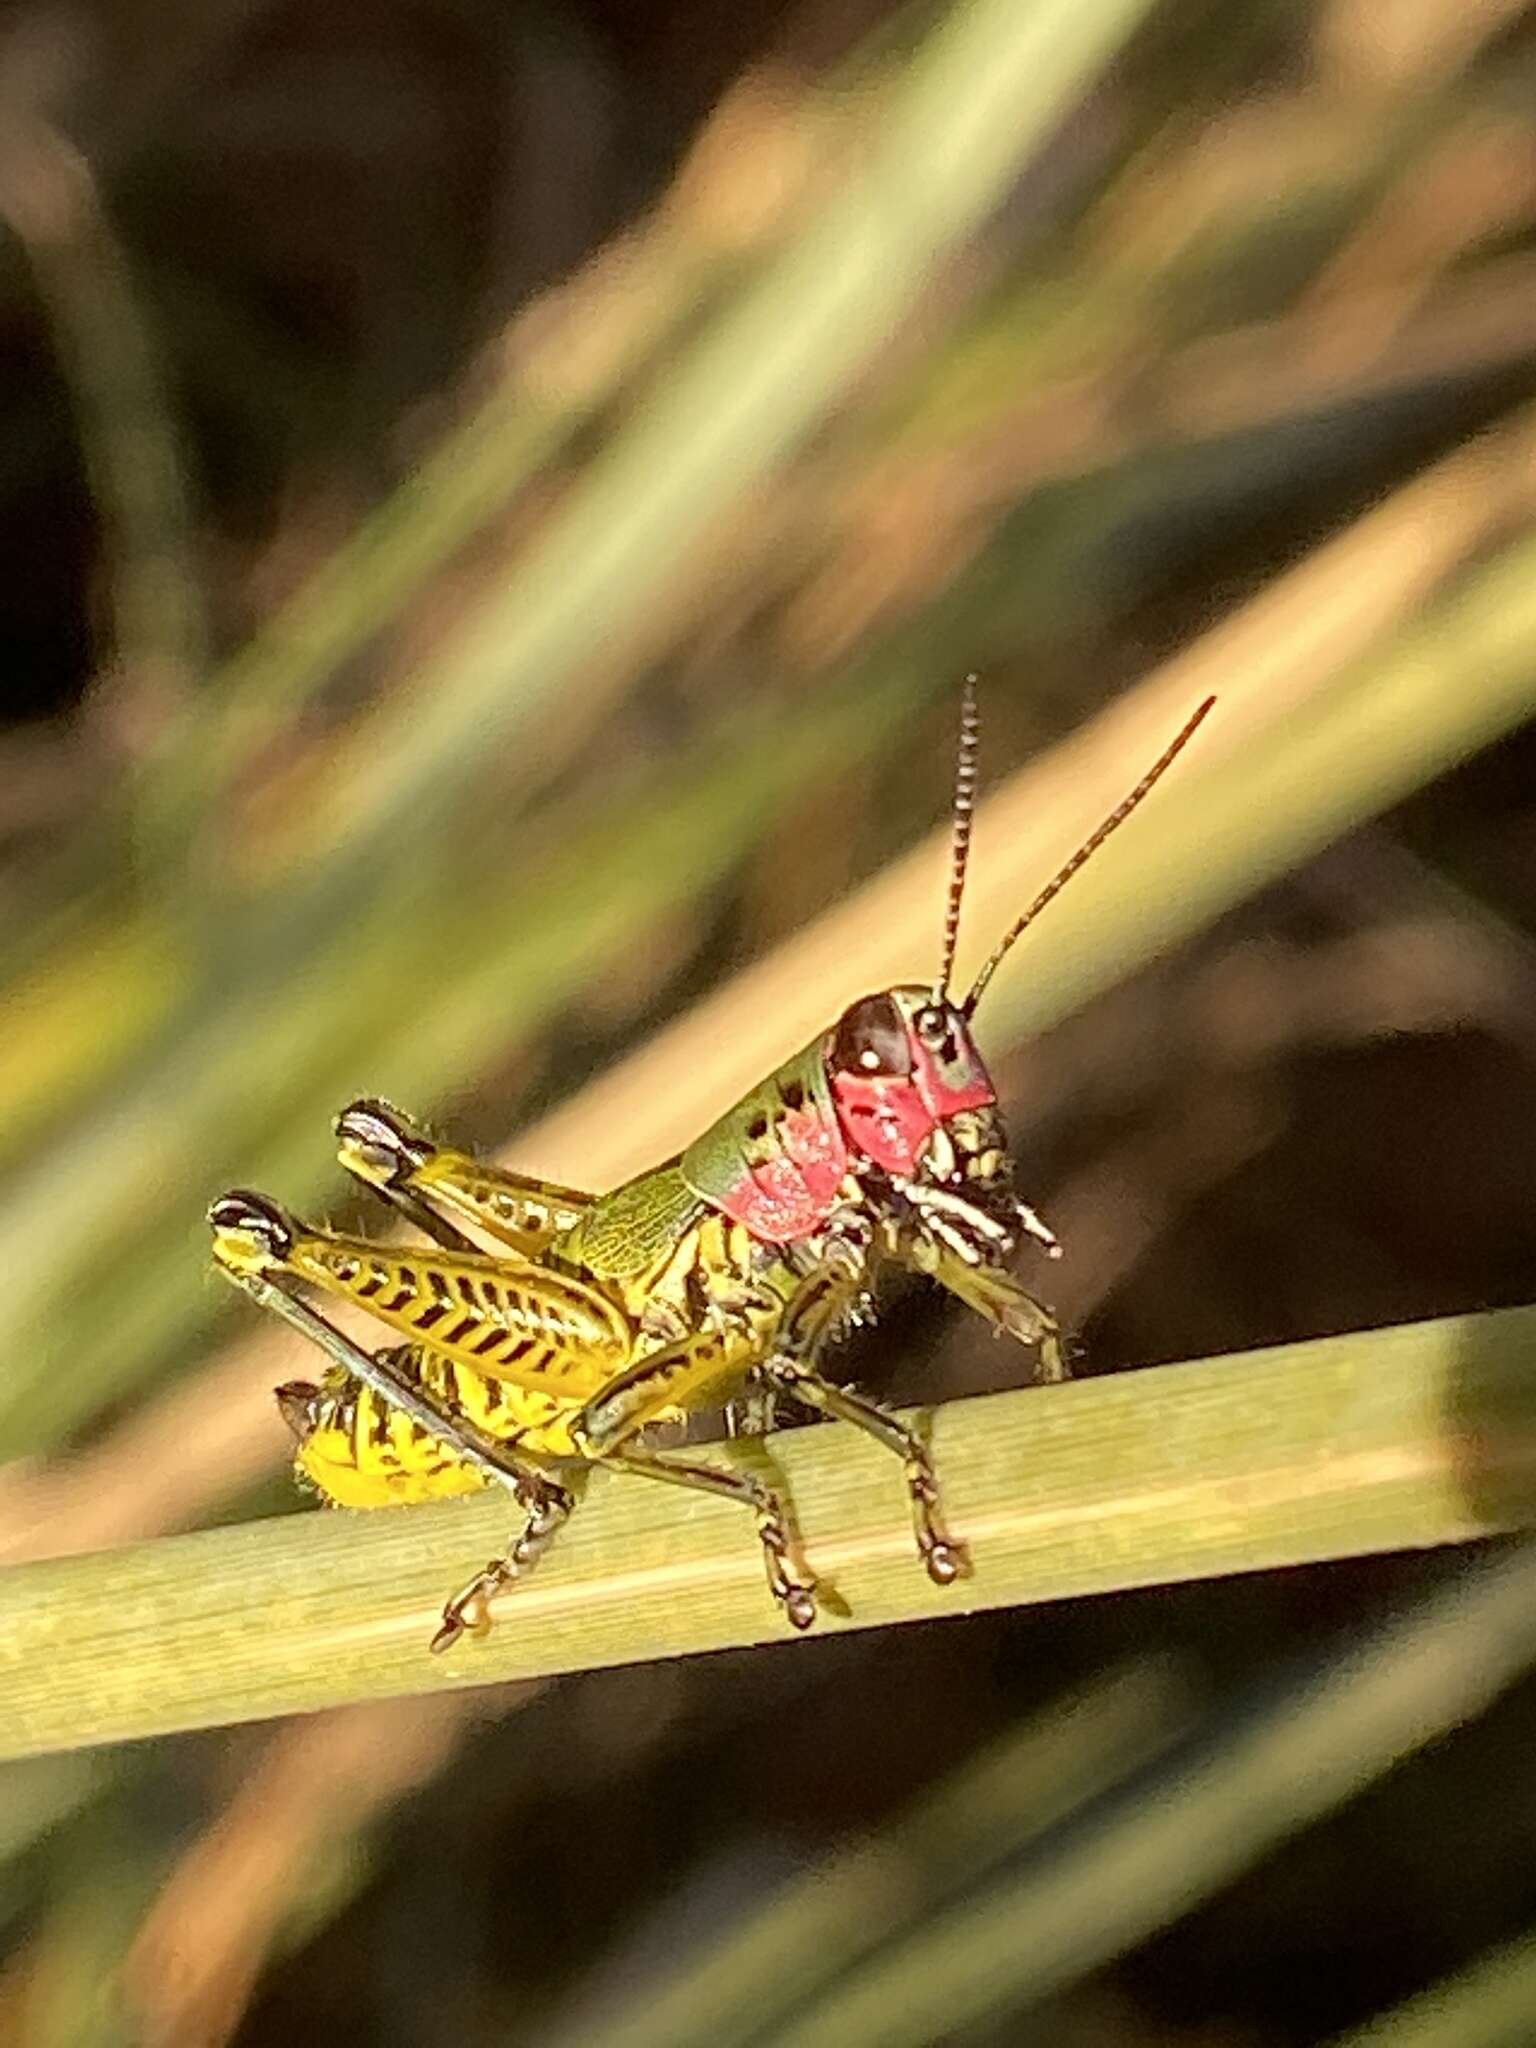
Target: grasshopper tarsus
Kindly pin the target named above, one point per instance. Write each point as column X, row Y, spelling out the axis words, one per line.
column 800, row 1608
column 946, row 1561
column 549, row 1508
column 452, row 1627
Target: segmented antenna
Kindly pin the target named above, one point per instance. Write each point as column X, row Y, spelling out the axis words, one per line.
column 962, row 811
column 1085, row 852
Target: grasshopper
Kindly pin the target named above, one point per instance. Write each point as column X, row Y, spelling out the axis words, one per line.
column 727, row 1270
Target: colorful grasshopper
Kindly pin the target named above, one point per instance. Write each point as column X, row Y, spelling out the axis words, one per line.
column 730, row 1267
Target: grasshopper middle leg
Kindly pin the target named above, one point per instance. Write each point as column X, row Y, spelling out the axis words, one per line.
column 663, row 1381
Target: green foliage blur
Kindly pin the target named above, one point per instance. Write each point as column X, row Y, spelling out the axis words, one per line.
column 495, row 503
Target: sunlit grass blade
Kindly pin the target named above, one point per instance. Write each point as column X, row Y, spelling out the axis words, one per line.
column 1490, row 2004
column 1415, row 1435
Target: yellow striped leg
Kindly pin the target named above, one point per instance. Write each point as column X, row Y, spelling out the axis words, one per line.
column 439, row 1188
column 547, row 1503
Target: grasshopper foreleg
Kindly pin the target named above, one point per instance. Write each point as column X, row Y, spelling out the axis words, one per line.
column 821, row 1302
column 961, row 1245
column 1005, row 1304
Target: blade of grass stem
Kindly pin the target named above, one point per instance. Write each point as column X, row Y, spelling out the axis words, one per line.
column 980, row 95
column 1416, row 1435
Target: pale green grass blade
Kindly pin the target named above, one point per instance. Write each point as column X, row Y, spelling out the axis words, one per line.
column 975, row 103
column 1415, row 1435
column 109, row 354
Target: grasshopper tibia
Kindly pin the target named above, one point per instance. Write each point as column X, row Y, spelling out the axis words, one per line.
column 548, row 1511
column 789, row 1582
column 943, row 1558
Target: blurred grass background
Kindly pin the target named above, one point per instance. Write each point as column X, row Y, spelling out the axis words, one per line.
column 494, row 506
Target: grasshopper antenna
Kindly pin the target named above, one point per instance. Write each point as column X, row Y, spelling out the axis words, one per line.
column 962, row 810
column 1084, row 853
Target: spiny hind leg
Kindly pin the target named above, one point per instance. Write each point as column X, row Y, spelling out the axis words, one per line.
column 467, row 1610
column 243, row 1225
column 250, row 1238
column 439, row 1188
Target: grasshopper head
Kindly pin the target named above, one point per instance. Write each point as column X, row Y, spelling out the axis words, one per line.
column 911, row 1090
column 902, row 1066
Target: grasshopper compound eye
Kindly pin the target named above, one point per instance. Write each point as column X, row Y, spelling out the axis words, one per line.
column 250, row 1233
column 935, row 1026
column 871, row 1039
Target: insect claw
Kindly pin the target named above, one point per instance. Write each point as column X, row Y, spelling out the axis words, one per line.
column 800, row 1606
column 447, row 1635
column 467, row 1613
column 946, row 1562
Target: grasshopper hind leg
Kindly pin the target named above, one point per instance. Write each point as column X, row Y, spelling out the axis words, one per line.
column 466, row 1612
column 251, row 1235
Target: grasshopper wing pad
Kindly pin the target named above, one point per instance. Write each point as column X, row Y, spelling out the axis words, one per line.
column 776, row 1161
column 638, row 1223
